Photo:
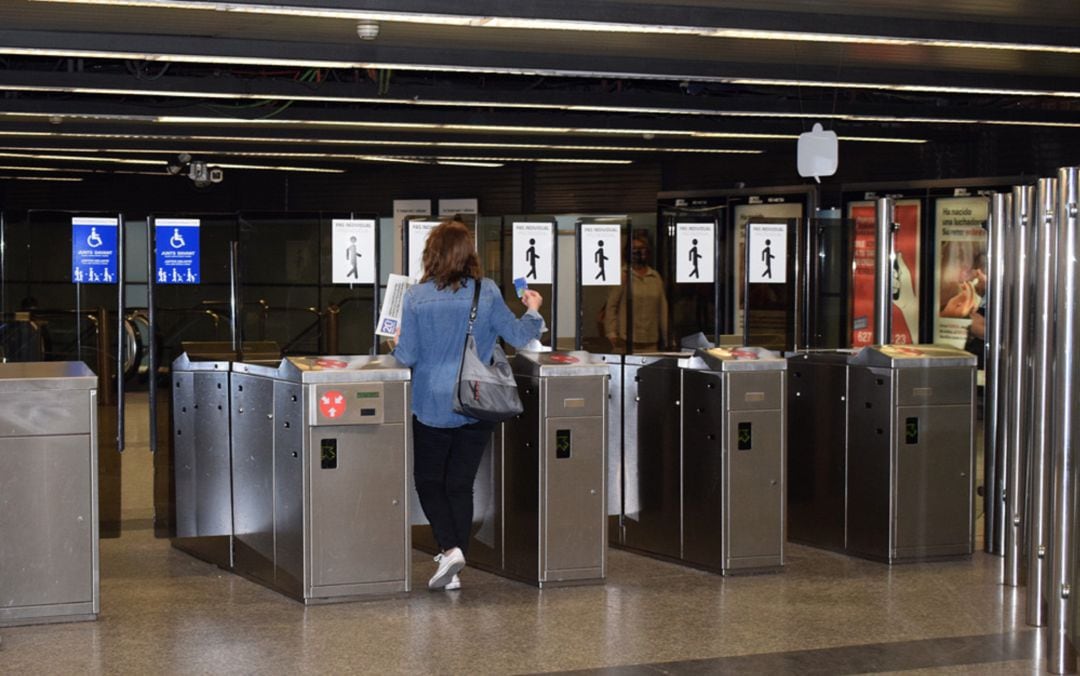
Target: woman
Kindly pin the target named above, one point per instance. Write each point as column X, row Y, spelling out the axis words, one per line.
column 447, row 446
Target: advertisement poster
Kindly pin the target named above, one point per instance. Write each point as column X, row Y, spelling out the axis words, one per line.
column 905, row 273
column 177, row 259
column 744, row 213
column 533, row 255
column 960, row 270
column 695, row 260
column 93, row 250
column 601, row 254
column 353, row 251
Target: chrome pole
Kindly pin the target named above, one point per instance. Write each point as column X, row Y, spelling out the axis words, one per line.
column 1017, row 388
column 884, row 219
column 1001, row 205
column 1061, row 657
column 1042, row 361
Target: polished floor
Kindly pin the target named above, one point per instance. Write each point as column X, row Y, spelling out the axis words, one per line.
column 165, row 612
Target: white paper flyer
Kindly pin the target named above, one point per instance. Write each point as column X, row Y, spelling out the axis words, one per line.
column 390, row 314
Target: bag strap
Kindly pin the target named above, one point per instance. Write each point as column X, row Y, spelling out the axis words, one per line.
column 472, row 312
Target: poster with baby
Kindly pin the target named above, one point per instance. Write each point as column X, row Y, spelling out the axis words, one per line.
column 905, row 272
column 960, row 275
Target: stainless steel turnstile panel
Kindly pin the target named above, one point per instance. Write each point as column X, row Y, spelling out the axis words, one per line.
column 574, row 518
column 321, row 476
column 652, row 518
column 44, row 559
column 553, row 473
column 817, row 448
column 48, row 493
column 711, row 460
column 253, row 476
column 754, row 505
column 356, row 518
column 201, row 448
column 911, row 453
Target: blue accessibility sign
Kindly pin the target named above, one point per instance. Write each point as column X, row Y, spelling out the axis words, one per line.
column 177, row 250
column 93, row 250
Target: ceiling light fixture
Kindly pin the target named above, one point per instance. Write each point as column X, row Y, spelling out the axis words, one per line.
column 64, row 179
column 227, row 59
column 410, row 126
column 454, row 103
column 530, row 23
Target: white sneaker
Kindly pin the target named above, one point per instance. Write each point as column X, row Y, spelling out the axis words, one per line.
column 450, row 564
column 454, row 584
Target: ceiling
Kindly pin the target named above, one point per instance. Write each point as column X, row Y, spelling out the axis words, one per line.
column 128, row 85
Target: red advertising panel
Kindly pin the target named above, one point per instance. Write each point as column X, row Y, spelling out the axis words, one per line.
column 905, row 273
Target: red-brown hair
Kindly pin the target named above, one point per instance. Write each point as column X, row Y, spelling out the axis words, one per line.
column 450, row 255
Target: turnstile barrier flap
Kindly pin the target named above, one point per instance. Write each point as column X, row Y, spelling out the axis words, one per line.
column 913, row 356
column 556, row 364
column 737, row 359
column 50, row 375
column 330, row 369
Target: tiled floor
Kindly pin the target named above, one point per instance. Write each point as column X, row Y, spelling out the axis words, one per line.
column 166, row 612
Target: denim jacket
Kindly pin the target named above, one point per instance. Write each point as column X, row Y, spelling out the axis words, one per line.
column 433, row 326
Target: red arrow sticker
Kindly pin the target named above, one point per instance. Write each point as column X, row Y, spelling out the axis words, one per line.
column 564, row 359
column 331, row 363
column 332, row 404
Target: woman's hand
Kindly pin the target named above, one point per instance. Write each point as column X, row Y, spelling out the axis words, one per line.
column 532, row 299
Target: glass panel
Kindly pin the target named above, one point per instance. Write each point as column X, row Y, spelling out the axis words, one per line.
column 829, row 298
column 599, row 283
column 528, row 263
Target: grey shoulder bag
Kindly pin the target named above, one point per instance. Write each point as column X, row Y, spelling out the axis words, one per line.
column 485, row 391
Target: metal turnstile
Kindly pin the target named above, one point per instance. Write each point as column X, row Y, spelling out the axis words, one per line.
column 554, row 507
column 321, row 476
column 202, row 459
column 708, row 485
column 817, row 402
column 911, row 455
column 48, row 493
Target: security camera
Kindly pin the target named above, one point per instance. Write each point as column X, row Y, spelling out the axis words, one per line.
column 203, row 176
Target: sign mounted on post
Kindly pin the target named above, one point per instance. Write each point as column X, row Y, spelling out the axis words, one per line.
column 353, row 251
column 533, row 252
column 694, row 253
column 767, row 253
column 418, row 234
column 601, row 257
column 93, row 250
column 177, row 250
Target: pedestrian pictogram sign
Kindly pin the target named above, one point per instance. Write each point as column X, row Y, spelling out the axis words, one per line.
column 332, row 404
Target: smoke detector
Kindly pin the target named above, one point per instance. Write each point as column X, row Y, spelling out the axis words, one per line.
column 367, row 30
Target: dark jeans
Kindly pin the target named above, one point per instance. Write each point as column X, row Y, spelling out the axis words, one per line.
column 445, row 462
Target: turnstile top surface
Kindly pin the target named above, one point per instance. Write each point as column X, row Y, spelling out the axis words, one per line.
column 46, row 375
column 330, row 369
column 913, row 356
column 824, row 356
column 554, row 364
column 265, row 351
column 738, row 359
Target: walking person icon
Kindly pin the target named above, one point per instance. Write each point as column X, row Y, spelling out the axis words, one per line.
column 767, row 256
column 531, row 256
column 600, row 258
column 694, row 258
column 352, row 255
